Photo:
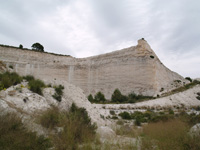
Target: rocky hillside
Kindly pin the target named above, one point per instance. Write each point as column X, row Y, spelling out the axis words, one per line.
column 136, row 68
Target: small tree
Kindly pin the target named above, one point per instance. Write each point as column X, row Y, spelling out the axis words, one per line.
column 99, row 97
column 118, row 97
column 189, row 79
column 90, row 98
column 38, row 47
column 21, row 46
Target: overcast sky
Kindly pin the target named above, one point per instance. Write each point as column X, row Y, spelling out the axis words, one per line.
column 83, row 28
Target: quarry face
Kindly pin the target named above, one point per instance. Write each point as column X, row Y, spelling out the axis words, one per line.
column 134, row 69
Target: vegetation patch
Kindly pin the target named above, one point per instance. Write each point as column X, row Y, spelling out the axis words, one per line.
column 183, row 88
column 36, row 86
column 58, row 93
column 8, row 79
column 189, row 79
column 118, row 97
column 172, row 134
column 98, row 98
column 76, row 124
column 125, row 115
column 14, row 136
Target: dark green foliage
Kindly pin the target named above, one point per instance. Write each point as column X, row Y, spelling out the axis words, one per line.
column 21, row 46
column 38, row 47
column 198, row 97
column 29, row 78
column 152, row 56
column 58, row 93
column 140, row 117
column 90, row 98
column 36, row 86
column 99, row 97
column 14, row 136
column 10, row 66
column 114, row 117
column 8, row 79
column 133, row 98
column 189, row 79
column 112, row 112
column 125, row 115
column 118, row 97
column 137, row 121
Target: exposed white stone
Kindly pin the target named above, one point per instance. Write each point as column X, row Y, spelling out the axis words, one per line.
column 136, row 68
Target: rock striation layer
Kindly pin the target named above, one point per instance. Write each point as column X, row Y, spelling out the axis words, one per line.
column 136, row 68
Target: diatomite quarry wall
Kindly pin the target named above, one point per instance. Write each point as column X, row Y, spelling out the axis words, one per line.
column 136, row 68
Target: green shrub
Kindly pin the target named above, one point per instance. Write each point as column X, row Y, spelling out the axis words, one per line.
column 133, row 98
column 29, row 78
column 139, row 117
column 10, row 66
column 90, row 98
column 21, row 46
column 112, row 112
column 99, row 97
column 76, row 124
column 138, row 121
column 8, row 79
column 114, row 117
column 14, row 136
column 125, row 115
column 118, row 97
column 189, row 79
column 36, row 86
column 58, row 93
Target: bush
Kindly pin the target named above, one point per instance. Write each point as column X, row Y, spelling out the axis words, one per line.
column 10, row 66
column 36, row 86
column 21, row 46
column 8, row 79
column 198, row 97
column 15, row 137
column 38, row 47
column 112, row 112
column 29, row 78
column 189, row 79
column 118, row 97
column 133, row 98
column 125, row 115
column 99, row 97
column 58, row 93
column 77, row 127
column 90, row 98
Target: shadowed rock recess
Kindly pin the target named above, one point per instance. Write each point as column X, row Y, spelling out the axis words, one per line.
column 136, row 68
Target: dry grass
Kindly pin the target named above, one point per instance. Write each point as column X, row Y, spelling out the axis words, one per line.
column 14, row 136
column 76, row 124
column 128, row 131
column 170, row 135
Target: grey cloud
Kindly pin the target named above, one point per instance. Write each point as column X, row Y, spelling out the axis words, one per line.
column 171, row 27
